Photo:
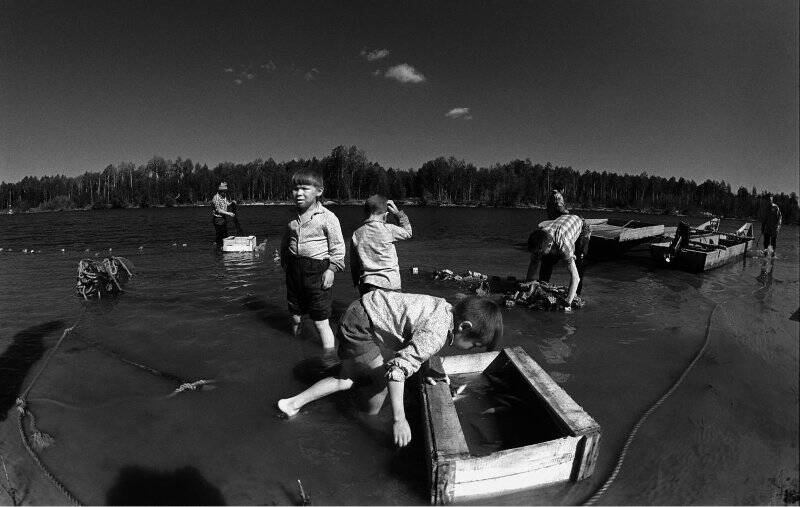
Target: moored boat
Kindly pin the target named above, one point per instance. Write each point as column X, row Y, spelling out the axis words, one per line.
column 703, row 251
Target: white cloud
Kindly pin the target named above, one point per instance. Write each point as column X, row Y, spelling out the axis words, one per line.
column 375, row 54
column 311, row 74
column 404, row 73
column 459, row 113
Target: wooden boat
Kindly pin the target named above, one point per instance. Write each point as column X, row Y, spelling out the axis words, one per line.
column 540, row 437
column 707, row 250
column 618, row 235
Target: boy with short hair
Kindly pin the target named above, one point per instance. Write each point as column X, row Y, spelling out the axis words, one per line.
column 414, row 327
column 567, row 237
column 312, row 250
column 373, row 257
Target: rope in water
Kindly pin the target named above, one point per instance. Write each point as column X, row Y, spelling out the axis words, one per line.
column 23, row 411
column 632, row 435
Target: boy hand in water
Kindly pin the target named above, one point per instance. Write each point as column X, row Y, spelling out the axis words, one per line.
column 312, row 250
column 413, row 327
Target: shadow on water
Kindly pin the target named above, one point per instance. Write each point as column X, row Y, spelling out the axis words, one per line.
column 26, row 348
column 183, row 486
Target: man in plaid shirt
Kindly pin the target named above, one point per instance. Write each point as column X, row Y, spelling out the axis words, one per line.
column 566, row 237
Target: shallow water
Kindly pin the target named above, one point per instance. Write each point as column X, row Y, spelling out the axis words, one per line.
column 727, row 436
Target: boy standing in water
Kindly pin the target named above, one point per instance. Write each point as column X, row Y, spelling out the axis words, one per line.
column 373, row 258
column 771, row 225
column 312, row 250
column 413, row 327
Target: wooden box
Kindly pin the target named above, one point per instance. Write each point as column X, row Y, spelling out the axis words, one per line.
column 544, row 436
column 239, row 244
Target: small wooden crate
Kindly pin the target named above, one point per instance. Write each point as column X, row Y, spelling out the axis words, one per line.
column 239, row 244
column 567, row 451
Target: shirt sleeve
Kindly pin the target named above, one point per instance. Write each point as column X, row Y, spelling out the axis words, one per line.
column 355, row 264
column 336, row 248
column 220, row 204
column 402, row 232
column 562, row 208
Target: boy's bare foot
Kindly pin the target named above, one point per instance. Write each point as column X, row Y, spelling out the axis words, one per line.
column 287, row 407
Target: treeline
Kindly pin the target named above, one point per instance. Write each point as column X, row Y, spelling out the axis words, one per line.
column 349, row 175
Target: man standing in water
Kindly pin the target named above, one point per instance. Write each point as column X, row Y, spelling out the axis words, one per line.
column 219, row 212
column 771, row 225
column 555, row 202
column 566, row 237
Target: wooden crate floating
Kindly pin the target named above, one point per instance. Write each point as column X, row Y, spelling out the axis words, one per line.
column 541, row 437
column 239, row 244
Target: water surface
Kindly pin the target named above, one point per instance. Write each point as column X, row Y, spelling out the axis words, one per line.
column 727, row 436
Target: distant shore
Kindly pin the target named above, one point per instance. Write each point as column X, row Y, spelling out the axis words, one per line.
column 405, row 203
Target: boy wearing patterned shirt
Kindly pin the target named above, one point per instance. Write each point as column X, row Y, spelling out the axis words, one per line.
column 566, row 237
column 410, row 327
column 373, row 258
column 312, row 250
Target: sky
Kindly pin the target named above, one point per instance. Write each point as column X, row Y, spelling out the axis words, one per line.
column 695, row 89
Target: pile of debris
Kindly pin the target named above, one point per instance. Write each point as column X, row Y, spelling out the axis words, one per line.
column 534, row 295
column 99, row 278
column 541, row 296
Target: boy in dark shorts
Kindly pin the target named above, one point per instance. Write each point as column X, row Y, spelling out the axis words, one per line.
column 412, row 327
column 373, row 257
column 312, row 250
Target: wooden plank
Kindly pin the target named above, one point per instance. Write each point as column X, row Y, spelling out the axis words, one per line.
column 517, row 461
column 586, row 457
column 634, row 234
column 446, row 435
column 510, row 483
column 444, row 486
column 576, row 420
column 467, row 363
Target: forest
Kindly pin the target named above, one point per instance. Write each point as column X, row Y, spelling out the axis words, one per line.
column 350, row 176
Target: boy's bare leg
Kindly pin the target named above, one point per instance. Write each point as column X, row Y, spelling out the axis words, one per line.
column 296, row 321
column 324, row 387
column 325, row 334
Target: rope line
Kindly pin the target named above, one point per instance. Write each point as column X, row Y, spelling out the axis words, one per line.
column 22, row 409
column 632, row 435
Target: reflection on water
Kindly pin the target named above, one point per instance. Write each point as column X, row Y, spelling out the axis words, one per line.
column 198, row 313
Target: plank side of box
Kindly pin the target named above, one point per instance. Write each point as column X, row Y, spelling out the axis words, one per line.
column 456, row 475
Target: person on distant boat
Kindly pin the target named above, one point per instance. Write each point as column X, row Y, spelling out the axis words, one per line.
column 555, row 202
column 771, row 225
column 219, row 212
column 410, row 328
column 567, row 237
column 373, row 257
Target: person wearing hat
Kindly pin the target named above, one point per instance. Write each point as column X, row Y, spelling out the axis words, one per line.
column 219, row 212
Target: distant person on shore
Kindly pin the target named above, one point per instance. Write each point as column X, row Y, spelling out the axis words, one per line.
column 373, row 257
column 312, row 250
column 413, row 327
column 565, row 238
column 555, row 202
column 771, row 225
column 220, row 212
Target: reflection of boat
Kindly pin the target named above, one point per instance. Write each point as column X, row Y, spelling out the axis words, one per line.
column 545, row 437
column 701, row 250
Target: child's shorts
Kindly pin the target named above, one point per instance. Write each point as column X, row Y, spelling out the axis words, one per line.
column 304, row 291
column 355, row 335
